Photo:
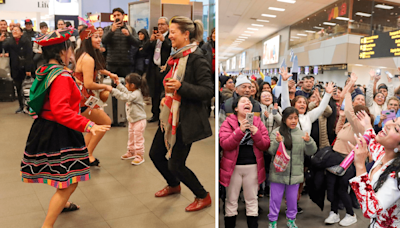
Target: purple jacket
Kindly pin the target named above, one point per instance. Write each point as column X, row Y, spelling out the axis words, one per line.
column 229, row 139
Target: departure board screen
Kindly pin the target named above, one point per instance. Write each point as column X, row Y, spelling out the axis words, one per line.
column 382, row 45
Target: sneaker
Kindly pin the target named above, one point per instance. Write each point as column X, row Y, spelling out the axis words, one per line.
column 299, row 209
column 348, row 220
column 19, row 110
column 128, row 155
column 291, row 224
column 138, row 160
column 332, row 218
column 272, row 224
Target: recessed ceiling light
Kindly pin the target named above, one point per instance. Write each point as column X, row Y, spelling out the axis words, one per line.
column 296, row 37
column 287, row 1
column 262, row 20
column 310, row 31
column 300, row 34
column 358, row 65
column 383, row 67
column 318, row 27
column 342, row 18
column 381, row 6
column 240, row 39
column 248, row 32
column 253, row 29
column 363, row 14
column 276, row 9
column 291, row 39
column 245, row 35
column 257, row 25
column 268, row 15
column 329, row 23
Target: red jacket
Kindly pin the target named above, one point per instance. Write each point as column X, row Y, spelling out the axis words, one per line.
column 229, row 138
column 62, row 104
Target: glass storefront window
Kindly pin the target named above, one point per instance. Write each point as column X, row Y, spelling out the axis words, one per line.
column 327, row 23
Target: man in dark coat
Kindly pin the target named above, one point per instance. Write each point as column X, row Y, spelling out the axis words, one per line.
column 119, row 39
column 159, row 49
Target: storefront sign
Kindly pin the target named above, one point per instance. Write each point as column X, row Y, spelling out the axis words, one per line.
column 108, row 17
column 336, row 12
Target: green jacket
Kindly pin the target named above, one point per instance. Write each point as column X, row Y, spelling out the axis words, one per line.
column 294, row 173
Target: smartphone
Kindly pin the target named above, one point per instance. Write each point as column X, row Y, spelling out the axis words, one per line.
column 117, row 20
column 249, row 118
column 390, row 115
column 378, row 72
column 155, row 30
column 389, row 74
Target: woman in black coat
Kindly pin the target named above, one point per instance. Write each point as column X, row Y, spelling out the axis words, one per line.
column 21, row 59
column 141, row 56
column 187, row 85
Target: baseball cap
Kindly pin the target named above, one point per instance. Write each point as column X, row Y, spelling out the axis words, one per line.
column 28, row 21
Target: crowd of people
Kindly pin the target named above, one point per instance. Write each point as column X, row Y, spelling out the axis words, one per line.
column 317, row 125
column 173, row 65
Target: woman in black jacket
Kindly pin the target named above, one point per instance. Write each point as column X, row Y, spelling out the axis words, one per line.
column 209, row 49
column 21, row 59
column 142, row 57
column 183, row 119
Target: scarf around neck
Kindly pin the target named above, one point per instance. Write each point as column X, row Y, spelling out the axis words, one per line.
column 169, row 116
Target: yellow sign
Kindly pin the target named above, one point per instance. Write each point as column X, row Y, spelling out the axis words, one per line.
column 125, row 18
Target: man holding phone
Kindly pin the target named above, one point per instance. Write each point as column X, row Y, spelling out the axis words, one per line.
column 119, row 39
column 159, row 49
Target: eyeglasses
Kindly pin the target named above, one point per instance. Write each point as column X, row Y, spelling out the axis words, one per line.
column 161, row 24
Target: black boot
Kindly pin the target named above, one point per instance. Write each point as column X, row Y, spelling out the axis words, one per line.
column 230, row 222
column 252, row 221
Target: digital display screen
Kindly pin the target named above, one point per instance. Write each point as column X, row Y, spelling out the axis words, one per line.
column 316, row 70
column 242, row 60
column 271, row 50
column 382, row 45
column 306, row 70
column 276, row 71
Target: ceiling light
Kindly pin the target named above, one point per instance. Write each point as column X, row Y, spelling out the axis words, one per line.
column 381, row 6
column 262, row 20
column 276, row 9
column 257, row 25
column 383, row 67
column 300, row 34
column 245, row 35
column 310, row 31
column 358, row 65
column 268, row 15
column 296, row 37
column 363, row 14
column 291, row 39
column 329, row 23
column 342, row 18
column 240, row 40
column 318, row 27
column 253, row 29
column 287, row 1
column 248, row 32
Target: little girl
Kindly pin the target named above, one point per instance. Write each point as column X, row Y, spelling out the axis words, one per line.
column 133, row 93
column 296, row 143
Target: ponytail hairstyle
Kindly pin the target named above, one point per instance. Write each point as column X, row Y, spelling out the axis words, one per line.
column 140, row 82
column 284, row 130
column 195, row 28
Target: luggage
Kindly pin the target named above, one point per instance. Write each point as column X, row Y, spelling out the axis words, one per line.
column 26, row 88
column 7, row 92
column 120, row 118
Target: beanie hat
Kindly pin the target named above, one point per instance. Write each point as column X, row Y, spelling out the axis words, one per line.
column 241, row 80
column 382, row 86
column 223, row 79
column 356, row 92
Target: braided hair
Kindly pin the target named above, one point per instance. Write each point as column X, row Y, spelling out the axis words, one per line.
column 395, row 166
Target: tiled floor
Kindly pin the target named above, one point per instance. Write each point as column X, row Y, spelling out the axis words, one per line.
column 312, row 217
column 118, row 195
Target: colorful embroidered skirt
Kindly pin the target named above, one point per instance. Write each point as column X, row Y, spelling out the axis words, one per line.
column 54, row 155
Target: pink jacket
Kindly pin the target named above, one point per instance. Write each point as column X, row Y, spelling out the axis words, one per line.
column 229, row 138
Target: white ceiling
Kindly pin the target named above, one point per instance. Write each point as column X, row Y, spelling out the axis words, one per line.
column 235, row 16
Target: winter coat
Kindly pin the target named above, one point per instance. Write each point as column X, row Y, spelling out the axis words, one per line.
column 119, row 46
column 322, row 124
column 230, row 136
column 196, row 88
column 17, row 52
column 141, row 55
column 273, row 121
column 226, row 93
column 294, row 173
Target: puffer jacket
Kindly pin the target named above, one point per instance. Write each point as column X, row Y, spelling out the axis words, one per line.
column 119, row 46
column 294, row 173
column 230, row 136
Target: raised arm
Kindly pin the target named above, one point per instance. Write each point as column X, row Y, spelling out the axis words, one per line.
column 122, row 93
column 285, row 100
column 315, row 113
column 371, row 89
column 229, row 138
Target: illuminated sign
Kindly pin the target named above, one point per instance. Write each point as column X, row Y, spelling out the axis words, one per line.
column 125, row 18
column 94, row 18
column 336, row 12
column 382, row 45
column 2, row 1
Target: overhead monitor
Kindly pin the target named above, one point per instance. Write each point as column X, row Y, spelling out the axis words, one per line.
column 315, row 70
column 227, row 64
column 271, row 50
column 306, row 70
column 234, row 62
column 242, row 60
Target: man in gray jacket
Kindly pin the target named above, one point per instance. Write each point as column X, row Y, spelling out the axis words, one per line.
column 119, row 39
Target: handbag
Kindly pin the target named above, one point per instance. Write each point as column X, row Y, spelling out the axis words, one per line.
column 320, row 158
column 281, row 159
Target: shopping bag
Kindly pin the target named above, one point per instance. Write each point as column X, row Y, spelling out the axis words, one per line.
column 282, row 159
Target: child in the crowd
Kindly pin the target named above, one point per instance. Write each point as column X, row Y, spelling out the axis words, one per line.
column 133, row 93
column 297, row 143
